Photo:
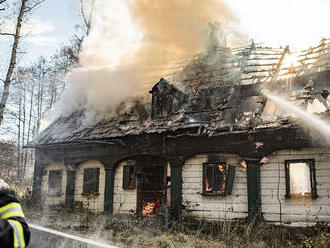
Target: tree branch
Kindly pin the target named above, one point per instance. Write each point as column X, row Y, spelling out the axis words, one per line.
column 2, row 2
column 7, row 34
column 78, row 38
column 87, row 22
column 28, row 9
column 12, row 63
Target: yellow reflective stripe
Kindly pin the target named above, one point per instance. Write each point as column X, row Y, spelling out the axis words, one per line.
column 10, row 205
column 16, row 234
column 11, row 210
column 19, row 241
column 15, row 213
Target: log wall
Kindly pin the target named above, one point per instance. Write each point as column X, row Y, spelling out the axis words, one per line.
column 53, row 200
column 124, row 200
column 92, row 202
column 295, row 212
column 214, row 207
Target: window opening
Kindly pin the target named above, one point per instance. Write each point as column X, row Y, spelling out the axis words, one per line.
column 215, row 178
column 300, row 178
column 55, row 182
column 91, row 180
column 129, row 177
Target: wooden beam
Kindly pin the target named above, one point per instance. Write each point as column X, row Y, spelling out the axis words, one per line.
column 109, row 189
column 39, row 167
column 176, row 188
column 70, row 186
column 253, row 186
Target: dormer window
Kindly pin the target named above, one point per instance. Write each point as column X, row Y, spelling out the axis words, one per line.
column 166, row 100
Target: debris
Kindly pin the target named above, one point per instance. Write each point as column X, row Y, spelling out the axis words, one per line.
column 243, row 164
column 264, row 160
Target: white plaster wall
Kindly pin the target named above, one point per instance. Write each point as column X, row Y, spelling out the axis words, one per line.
column 124, row 200
column 53, row 200
column 298, row 212
column 214, row 207
column 94, row 203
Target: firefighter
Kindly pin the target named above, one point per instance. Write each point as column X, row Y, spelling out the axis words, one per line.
column 14, row 231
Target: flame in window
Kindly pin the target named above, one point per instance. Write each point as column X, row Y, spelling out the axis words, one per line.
column 222, row 177
column 208, row 188
column 149, row 209
column 215, row 180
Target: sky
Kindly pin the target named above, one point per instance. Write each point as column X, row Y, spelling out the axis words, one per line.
column 55, row 24
column 298, row 23
column 50, row 26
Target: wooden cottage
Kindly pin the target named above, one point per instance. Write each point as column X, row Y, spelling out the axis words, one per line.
column 212, row 142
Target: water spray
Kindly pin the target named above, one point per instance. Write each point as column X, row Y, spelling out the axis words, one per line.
column 308, row 118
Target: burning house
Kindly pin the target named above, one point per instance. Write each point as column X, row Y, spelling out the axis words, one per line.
column 229, row 136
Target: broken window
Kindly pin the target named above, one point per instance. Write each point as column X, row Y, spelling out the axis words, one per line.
column 55, row 183
column 164, row 105
column 91, row 180
column 129, row 173
column 300, row 178
column 218, row 178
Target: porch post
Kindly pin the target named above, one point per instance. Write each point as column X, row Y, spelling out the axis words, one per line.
column 109, row 188
column 253, row 186
column 176, row 188
column 39, row 167
column 70, row 184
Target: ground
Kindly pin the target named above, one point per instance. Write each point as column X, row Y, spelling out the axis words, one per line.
column 136, row 232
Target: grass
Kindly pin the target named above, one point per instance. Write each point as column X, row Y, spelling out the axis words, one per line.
column 137, row 232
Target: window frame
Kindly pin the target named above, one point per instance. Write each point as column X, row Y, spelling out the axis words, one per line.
column 59, row 183
column 126, row 180
column 312, row 176
column 91, row 187
column 229, row 178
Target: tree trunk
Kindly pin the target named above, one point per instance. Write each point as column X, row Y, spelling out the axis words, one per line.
column 23, row 126
column 40, row 98
column 12, row 63
column 19, row 137
column 29, row 128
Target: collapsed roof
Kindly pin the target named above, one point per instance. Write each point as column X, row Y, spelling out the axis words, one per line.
column 214, row 93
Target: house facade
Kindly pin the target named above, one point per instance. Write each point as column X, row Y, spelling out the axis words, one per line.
column 222, row 151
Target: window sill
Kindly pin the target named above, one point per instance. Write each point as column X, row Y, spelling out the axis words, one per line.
column 300, row 196
column 212, row 194
column 90, row 193
column 129, row 188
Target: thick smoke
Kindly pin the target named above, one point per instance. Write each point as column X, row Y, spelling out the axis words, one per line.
column 132, row 44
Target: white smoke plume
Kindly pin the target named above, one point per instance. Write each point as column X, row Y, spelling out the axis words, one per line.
column 131, row 44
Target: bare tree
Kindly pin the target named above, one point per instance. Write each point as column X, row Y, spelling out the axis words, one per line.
column 25, row 7
column 33, row 90
column 74, row 50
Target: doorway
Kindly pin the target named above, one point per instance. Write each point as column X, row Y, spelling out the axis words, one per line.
column 151, row 186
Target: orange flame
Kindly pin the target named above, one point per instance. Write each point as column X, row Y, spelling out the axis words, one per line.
column 149, row 209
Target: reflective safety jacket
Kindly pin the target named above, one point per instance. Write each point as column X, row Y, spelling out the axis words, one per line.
column 14, row 231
